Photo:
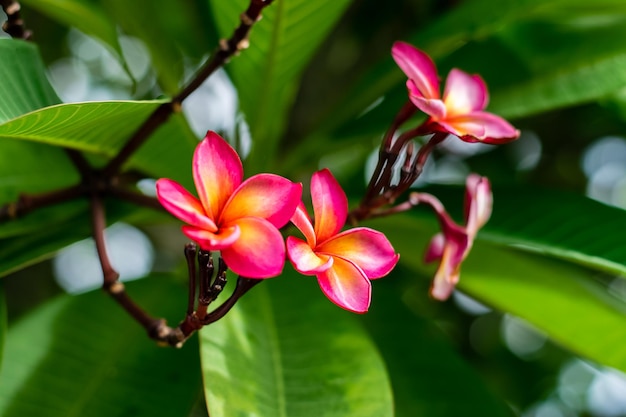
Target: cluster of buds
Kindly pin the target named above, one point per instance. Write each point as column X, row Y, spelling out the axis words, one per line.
column 241, row 218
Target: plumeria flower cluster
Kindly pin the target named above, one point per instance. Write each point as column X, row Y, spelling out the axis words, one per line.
column 459, row 112
column 241, row 219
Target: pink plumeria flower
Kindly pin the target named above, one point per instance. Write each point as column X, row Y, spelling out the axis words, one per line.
column 465, row 97
column 239, row 219
column 344, row 262
column 453, row 244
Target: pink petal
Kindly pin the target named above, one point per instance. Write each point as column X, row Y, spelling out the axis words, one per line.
column 464, row 93
column 418, row 67
column 268, row 196
column 368, row 249
column 433, row 107
column 217, row 172
column 484, row 127
column 444, row 218
column 207, row 240
column 182, row 204
column 303, row 258
column 434, row 251
column 330, row 205
column 346, row 285
column 446, row 278
column 259, row 252
column 302, row 221
column 478, row 203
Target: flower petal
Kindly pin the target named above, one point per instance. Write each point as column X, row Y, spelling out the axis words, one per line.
column 433, row 107
column 207, row 240
column 268, row 196
column 447, row 275
column 435, row 248
column 217, row 172
column 478, row 203
column 330, row 205
column 259, row 252
column 464, row 93
column 346, row 285
column 303, row 258
column 182, row 204
column 482, row 126
column 368, row 249
column 302, row 221
column 418, row 67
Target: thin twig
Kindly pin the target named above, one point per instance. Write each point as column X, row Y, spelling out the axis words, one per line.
column 29, row 202
column 156, row 328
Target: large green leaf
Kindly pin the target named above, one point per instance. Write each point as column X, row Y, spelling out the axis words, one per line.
column 423, row 366
column 579, row 64
column 84, row 356
column 104, row 127
column 287, row 351
column 25, row 86
column 266, row 74
column 86, row 16
column 3, row 324
column 562, row 299
column 27, row 167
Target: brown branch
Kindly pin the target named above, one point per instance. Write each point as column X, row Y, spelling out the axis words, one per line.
column 14, row 25
column 156, row 328
column 29, row 202
column 80, row 163
column 237, row 42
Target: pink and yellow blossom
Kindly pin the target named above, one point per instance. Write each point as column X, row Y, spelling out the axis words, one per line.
column 461, row 109
column 236, row 217
column 343, row 262
column 453, row 244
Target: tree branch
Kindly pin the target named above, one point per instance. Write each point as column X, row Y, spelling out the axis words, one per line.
column 14, row 25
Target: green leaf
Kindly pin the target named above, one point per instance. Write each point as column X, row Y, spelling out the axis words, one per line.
column 84, row 356
column 3, row 324
column 285, row 350
column 86, row 16
column 104, row 127
column 266, row 74
column 27, row 167
column 423, row 366
column 25, row 86
column 587, row 65
column 561, row 299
